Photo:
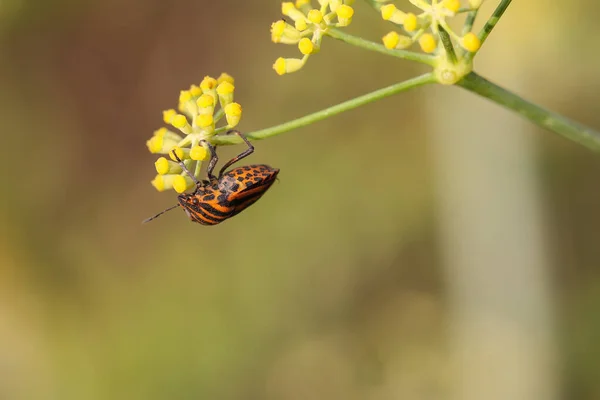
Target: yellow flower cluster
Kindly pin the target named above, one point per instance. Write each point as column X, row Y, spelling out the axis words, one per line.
column 200, row 109
column 433, row 16
column 309, row 26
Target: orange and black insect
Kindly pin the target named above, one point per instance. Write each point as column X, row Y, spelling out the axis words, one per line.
column 218, row 198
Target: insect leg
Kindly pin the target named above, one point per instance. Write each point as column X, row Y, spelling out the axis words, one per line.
column 243, row 154
column 213, row 159
column 187, row 171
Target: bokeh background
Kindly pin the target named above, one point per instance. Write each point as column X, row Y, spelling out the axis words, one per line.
column 428, row 246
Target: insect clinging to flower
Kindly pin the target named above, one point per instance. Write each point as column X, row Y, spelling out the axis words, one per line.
column 223, row 196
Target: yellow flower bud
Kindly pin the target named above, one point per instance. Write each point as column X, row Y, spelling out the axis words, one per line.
column 225, row 92
column 206, row 104
column 301, row 25
column 208, row 84
column 195, row 90
column 180, row 122
column 315, row 16
column 163, row 182
column 452, row 5
column 471, row 42
column 164, row 166
column 410, row 22
column 233, row 114
column 344, row 14
column 181, row 183
column 182, row 153
column 199, row 153
column 225, row 77
column 306, row 46
column 428, row 43
column 287, row 65
column 204, row 120
column 391, row 40
column 290, row 10
column 168, row 115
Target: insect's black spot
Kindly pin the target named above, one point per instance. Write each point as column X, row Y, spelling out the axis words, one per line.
column 209, row 197
column 240, row 179
column 248, row 176
column 235, row 187
column 246, row 168
column 262, row 169
column 222, row 198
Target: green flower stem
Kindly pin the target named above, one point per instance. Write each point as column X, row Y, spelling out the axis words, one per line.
column 375, row 4
column 328, row 112
column 489, row 25
column 469, row 21
column 540, row 116
column 368, row 45
column 445, row 39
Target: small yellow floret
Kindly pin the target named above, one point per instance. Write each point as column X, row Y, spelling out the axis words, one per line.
column 168, row 115
column 205, row 101
column 185, row 96
column 302, row 3
column 159, row 183
column 198, row 153
column 179, row 121
column 233, row 114
column 427, row 43
column 475, row 3
column 233, row 109
column 195, row 90
column 277, row 29
column 225, row 77
column 306, row 46
column 286, row 7
column 279, row 66
column 471, row 42
column 315, row 16
column 301, row 25
column 287, row 65
column 208, row 83
column 179, row 152
column 154, row 144
column 410, row 22
column 204, row 120
column 391, row 40
column 181, row 183
column 162, row 165
column 225, row 88
column 452, row 5
column 387, row 11
column 344, row 11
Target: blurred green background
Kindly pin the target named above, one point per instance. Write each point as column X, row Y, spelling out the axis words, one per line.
column 428, row 246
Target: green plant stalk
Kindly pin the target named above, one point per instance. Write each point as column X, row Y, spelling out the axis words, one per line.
column 538, row 115
column 368, row 45
column 376, row 5
column 447, row 43
column 489, row 25
column 469, row 21
column 327, row 112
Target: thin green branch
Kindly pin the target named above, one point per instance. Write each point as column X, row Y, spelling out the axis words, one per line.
column 445, row 39
column 538, row 115
column 328, row 112
column 469, row 21
column 375, row 4
column 372, row 46
column 490, row 24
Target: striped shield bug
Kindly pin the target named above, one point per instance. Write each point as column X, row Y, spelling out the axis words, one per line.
column 223, row 196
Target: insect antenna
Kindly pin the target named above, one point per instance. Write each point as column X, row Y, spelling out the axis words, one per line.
column 159, row 214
